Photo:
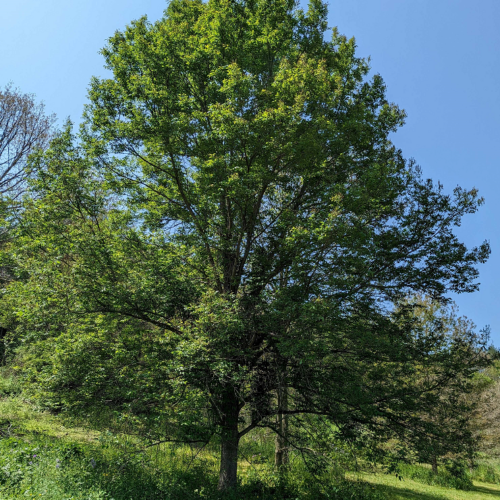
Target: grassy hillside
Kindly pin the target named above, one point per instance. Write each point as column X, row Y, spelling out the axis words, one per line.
column 41, row 456
column 407, row 489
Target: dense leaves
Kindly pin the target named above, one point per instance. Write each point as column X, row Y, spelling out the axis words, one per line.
column 234, row 222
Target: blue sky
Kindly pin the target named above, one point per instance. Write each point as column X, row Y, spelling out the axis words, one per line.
column 439, row 58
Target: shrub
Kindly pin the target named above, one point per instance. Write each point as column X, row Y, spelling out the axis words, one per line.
column 60, row 470
column 486, row 473
column 451, row 476
column 9, row 385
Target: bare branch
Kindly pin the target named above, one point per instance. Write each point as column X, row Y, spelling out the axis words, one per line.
column 24, row 128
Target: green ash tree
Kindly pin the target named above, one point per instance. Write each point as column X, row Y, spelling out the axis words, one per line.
column 223, row 246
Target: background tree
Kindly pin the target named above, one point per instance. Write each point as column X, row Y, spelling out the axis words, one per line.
column 236, row 201
column 459, row 399
column 486, row 418
column 24, row 128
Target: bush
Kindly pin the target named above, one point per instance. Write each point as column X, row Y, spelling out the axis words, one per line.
column 453, row 475
column 297, row 482
column 9, row 385
column 486, row 474
column 102, row 471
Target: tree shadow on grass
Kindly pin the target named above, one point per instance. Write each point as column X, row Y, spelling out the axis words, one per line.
column 408, row 494
column 488, row 492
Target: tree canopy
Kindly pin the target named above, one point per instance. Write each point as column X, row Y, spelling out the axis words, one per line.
column 234, row 224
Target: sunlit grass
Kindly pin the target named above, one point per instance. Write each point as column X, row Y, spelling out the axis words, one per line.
column 26, row 419
column 43, row 456
column 407, row 489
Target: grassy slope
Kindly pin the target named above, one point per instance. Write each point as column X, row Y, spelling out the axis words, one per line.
column 19, row 419
column 407, row 489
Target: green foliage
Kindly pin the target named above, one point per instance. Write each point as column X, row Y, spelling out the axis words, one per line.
column 452, row 476
column 126, row 360
column 486, row 473
column 458, row 402
column 233, row 220
column 10, row 385
column 104, row 470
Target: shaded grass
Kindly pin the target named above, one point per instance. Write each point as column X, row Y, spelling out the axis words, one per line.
column 18, row 417
column 42, row 457
column 407, row 489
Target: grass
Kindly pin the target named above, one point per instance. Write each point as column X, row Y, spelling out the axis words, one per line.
column 41, row 457
column 408, row 489
column 462, row 480
column 487, row 473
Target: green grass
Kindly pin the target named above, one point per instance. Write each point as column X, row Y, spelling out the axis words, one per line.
column 486, row 473
column 444, row 477
column 41, row 457
column 408, row 489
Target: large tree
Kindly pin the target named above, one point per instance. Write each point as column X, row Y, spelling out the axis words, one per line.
column 24, row 128
column 236, row 219
column 457, row 403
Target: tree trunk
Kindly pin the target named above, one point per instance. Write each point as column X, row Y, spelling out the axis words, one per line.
column 281, row 447
column 228, row 478
column 434, row 464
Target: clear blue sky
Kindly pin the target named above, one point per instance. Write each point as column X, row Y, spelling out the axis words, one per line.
column 439, row 58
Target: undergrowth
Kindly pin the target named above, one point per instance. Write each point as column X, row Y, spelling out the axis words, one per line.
column 449, row 477
column 486, row 473
column 40, row 458
column 55, row 470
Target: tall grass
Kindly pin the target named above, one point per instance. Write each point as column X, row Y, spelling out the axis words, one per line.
column 40, row 458
column 486, row 473
column 444, row 477
column 60, row 471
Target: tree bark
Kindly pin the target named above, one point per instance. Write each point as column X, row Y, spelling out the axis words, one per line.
column 281, row 447
column 434, row 464
column 228, row 478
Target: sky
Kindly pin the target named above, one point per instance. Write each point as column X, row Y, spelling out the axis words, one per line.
column 440, row 60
